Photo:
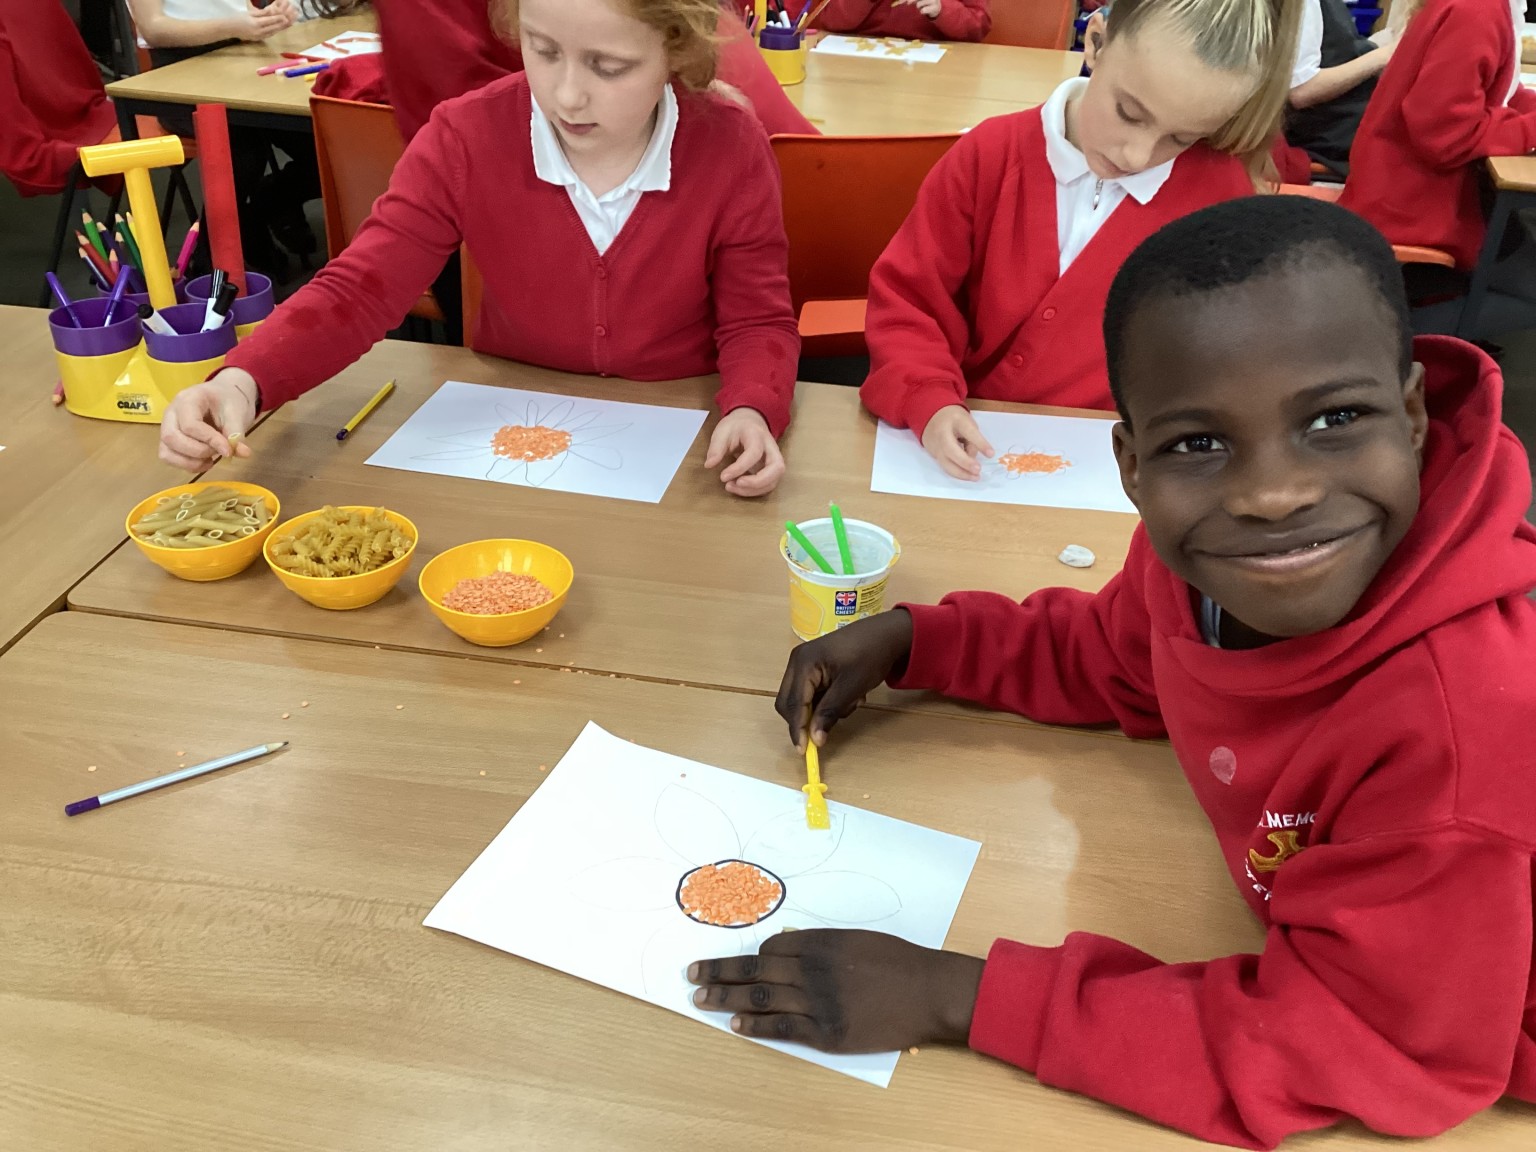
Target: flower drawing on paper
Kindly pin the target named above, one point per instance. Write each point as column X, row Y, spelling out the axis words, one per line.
column 713, row 895
column 1031, row 462
column 531, row 446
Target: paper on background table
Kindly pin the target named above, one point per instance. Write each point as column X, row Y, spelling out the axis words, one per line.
column 584, row 878
column 880, row 48
column 1091, row 481
column 346, row 44
column 626, row 451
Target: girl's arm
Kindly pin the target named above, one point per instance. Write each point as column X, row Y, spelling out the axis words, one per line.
column 367, row 290
column 964, row 19
column 756, row 335
column 1451, row 117
column 161, row 31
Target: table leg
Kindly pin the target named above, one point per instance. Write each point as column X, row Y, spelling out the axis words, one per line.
column 127, row 119
column 1504, row 205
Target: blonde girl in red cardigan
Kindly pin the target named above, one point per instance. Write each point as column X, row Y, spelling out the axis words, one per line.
column 995, row 285
column 626, row 222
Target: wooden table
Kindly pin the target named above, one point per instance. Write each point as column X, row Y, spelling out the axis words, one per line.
column 239, row 963
column 842, row 96
column 691, row 590
column 228, row 77
column 1514, row 185
column 846, row 96
column 62, row 477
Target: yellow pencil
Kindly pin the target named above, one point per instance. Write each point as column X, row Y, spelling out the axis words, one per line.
column 378, row 398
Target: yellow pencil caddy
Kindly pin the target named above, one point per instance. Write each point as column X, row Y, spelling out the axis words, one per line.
column 93, row 361
column 784, row 50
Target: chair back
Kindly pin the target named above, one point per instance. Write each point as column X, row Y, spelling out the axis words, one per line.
column 357, row 146
column 844, row 198
column 1033, row 23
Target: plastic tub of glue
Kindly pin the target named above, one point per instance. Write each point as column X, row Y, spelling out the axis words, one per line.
column 821, row 602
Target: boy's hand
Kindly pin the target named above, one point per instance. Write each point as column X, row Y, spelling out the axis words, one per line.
column 201, row 420
column 843, row 991
column 929, row 8
column 759, row 465
column 828, row 678
column 953, row 439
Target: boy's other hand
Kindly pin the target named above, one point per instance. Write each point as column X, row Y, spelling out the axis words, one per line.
column 200, row 422
column 828, row 678
column 759, row 465
column 929, row 8
column 954, row 440
column 843, row 991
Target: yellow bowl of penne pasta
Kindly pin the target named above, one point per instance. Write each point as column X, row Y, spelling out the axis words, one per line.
column 204, row 531
column 507, row 572
column 341, row 558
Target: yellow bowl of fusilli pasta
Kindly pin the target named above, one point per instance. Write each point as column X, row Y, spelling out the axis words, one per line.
column 342, row 558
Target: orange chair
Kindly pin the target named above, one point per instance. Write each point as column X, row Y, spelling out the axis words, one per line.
column 1405, row 253
column 357, row 146
column 844, row 198
column 1033, row 23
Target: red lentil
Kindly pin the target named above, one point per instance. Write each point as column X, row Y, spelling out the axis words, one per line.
column 498, row 593
column 1020, row 463
column 731, row 893
column 522, row 442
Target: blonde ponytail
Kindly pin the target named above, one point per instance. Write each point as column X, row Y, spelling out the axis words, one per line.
column 1254, row 37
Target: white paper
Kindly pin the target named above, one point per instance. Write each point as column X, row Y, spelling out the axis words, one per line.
column 585, row 877
column 344, row 44
column 880, row 48
column 1074, row 451
column 593, row 447
column 1528, row 79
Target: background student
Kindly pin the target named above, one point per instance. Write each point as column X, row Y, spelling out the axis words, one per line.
column 601, row 195
column 995, row 284
column 1335, row 74
column 906, row 19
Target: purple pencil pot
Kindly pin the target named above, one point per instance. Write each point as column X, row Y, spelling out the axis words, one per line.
column 249, row 310
column 93, row 362
column 190, row 356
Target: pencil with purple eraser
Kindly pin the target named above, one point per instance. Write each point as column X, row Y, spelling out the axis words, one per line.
column 92, row 802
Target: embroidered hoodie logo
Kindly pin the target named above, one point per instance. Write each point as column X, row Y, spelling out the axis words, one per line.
column 1287, row 847
column 1284, row 831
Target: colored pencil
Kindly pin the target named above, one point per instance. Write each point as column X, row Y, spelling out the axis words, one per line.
column 125, row 234
column 58, row 393
column 95, row 261
column 97, row 278
column 187, row 246
column 169, row 778
column 93, row 233
column 811, row 13
column 378, row 398
column 271, row 68
column 305, row 70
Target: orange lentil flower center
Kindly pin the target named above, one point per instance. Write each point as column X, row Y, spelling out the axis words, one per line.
column 522, row 442
column 1018, row 463
column 730, row 894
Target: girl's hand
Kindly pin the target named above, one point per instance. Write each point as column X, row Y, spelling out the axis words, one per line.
column 953, row 439
column 843, row 991
column 759, row 465
column 202, row 420
column 929, row 8
column 259, row 23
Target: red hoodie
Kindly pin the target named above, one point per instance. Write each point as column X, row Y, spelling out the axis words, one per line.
column 51, row 97
column 969, row 299
column 436, row 51
column 1437, row 112
column 957, row 20
column 1373, row 789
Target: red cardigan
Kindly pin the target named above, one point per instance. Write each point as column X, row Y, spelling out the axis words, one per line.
column 958, row 20
column 51, row 97
column 1372, row 789
column 968, row 299
column 1437, row 112
column 434, row 52
column 696, row 282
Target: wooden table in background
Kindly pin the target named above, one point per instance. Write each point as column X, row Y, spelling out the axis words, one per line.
column 843, row 96
column 846, row 96
column 63, row 479
column 691, row 590
column 228, row 76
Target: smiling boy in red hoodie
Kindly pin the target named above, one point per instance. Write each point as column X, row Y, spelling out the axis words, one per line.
column 1325, row 610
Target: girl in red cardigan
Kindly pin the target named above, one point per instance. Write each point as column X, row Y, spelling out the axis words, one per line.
column 1450, row 98
column 908, row 19
column 995, row 284
column 627, row 224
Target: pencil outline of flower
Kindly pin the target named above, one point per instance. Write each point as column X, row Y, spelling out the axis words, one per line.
column 796, row 867
column 536, row 473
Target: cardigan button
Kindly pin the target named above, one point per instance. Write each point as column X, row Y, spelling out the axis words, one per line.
column 601, row 331
column 1018, row 361
column 1049, row 313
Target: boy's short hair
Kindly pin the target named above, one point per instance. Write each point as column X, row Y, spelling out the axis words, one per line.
column 1239, row 240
